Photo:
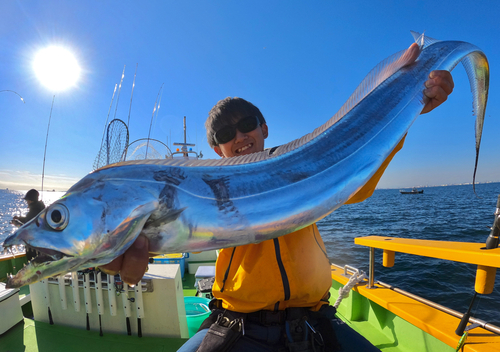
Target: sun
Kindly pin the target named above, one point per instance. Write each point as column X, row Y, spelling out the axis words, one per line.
column 56, row 68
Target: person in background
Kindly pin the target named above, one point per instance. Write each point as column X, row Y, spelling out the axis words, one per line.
column 35, row 206
column 266, row 297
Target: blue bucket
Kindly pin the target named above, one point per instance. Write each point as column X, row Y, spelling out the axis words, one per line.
column 196, row 312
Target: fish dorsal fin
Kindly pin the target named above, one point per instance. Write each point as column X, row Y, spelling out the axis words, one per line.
column 377, row 75
column 422, row 40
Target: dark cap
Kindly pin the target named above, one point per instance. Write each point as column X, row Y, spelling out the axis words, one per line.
column 32, row 195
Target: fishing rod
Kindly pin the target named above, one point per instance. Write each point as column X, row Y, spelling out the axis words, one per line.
column 492, row 240
column 130, row 109
column 46, row 140
column 119, row 90
column 8, row 90
column 116, row 108
column 152, row 117
column 157, row 110
column 131, row 96
column 485, row 276
column 105, row 126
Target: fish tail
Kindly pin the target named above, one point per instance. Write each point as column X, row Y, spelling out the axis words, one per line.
column 478, row 71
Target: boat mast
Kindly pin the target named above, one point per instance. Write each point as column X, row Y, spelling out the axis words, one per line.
column 185, row 144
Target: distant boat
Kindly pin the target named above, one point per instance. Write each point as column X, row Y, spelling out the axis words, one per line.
column 413, row 191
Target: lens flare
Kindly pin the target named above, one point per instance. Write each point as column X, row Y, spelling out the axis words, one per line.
column 56, row 68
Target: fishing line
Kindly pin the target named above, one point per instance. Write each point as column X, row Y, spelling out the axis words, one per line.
column 46, row 139
column 477, row 306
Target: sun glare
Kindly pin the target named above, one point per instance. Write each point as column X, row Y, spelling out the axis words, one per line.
column 56, row 68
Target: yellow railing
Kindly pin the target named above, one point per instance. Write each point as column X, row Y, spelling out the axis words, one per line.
column 487, row 260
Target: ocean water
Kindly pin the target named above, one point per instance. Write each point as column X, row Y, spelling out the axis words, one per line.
column 450, row 213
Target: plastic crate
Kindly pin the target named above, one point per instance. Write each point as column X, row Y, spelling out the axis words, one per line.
column 175, row 258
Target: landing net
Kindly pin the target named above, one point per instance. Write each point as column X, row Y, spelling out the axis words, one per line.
column 147, row 148
column 113, row 147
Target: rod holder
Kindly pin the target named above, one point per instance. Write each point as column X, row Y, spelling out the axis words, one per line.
column 388, row 258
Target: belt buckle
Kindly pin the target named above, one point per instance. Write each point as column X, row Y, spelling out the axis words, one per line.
column 214, row 304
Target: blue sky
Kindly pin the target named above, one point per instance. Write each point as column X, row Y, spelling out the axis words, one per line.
column 297, row 61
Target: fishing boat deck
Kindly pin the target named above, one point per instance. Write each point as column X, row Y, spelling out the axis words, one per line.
column 34, row 336
column 389, row 320
column 393, row 322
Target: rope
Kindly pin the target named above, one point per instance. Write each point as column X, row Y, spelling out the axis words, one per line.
column 355, row 279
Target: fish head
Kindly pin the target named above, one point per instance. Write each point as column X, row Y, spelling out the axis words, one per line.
column 90, row 225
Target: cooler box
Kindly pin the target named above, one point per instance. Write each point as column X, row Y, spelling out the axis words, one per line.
column 204, row 272
column 198, row 259
column 175, row 258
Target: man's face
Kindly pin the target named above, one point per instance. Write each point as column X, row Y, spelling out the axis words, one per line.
column 244, row 143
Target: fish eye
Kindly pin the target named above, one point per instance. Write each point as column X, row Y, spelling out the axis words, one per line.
column 57, row 217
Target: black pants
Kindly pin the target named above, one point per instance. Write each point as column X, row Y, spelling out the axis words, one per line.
column 318, row 332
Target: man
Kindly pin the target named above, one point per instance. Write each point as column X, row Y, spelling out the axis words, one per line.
column 282, row 301
column 35, row 207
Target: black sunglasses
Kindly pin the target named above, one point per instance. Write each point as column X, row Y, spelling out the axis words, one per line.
column 227, row 133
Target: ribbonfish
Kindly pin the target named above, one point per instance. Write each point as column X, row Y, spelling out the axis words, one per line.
column 197, row 205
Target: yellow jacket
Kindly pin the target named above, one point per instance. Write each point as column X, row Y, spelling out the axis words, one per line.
column 288, row 271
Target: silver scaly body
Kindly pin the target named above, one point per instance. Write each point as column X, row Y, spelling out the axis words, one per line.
column 196, row 205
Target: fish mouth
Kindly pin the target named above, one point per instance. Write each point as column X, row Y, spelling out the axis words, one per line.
column 44, row 255
column 40, row 266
